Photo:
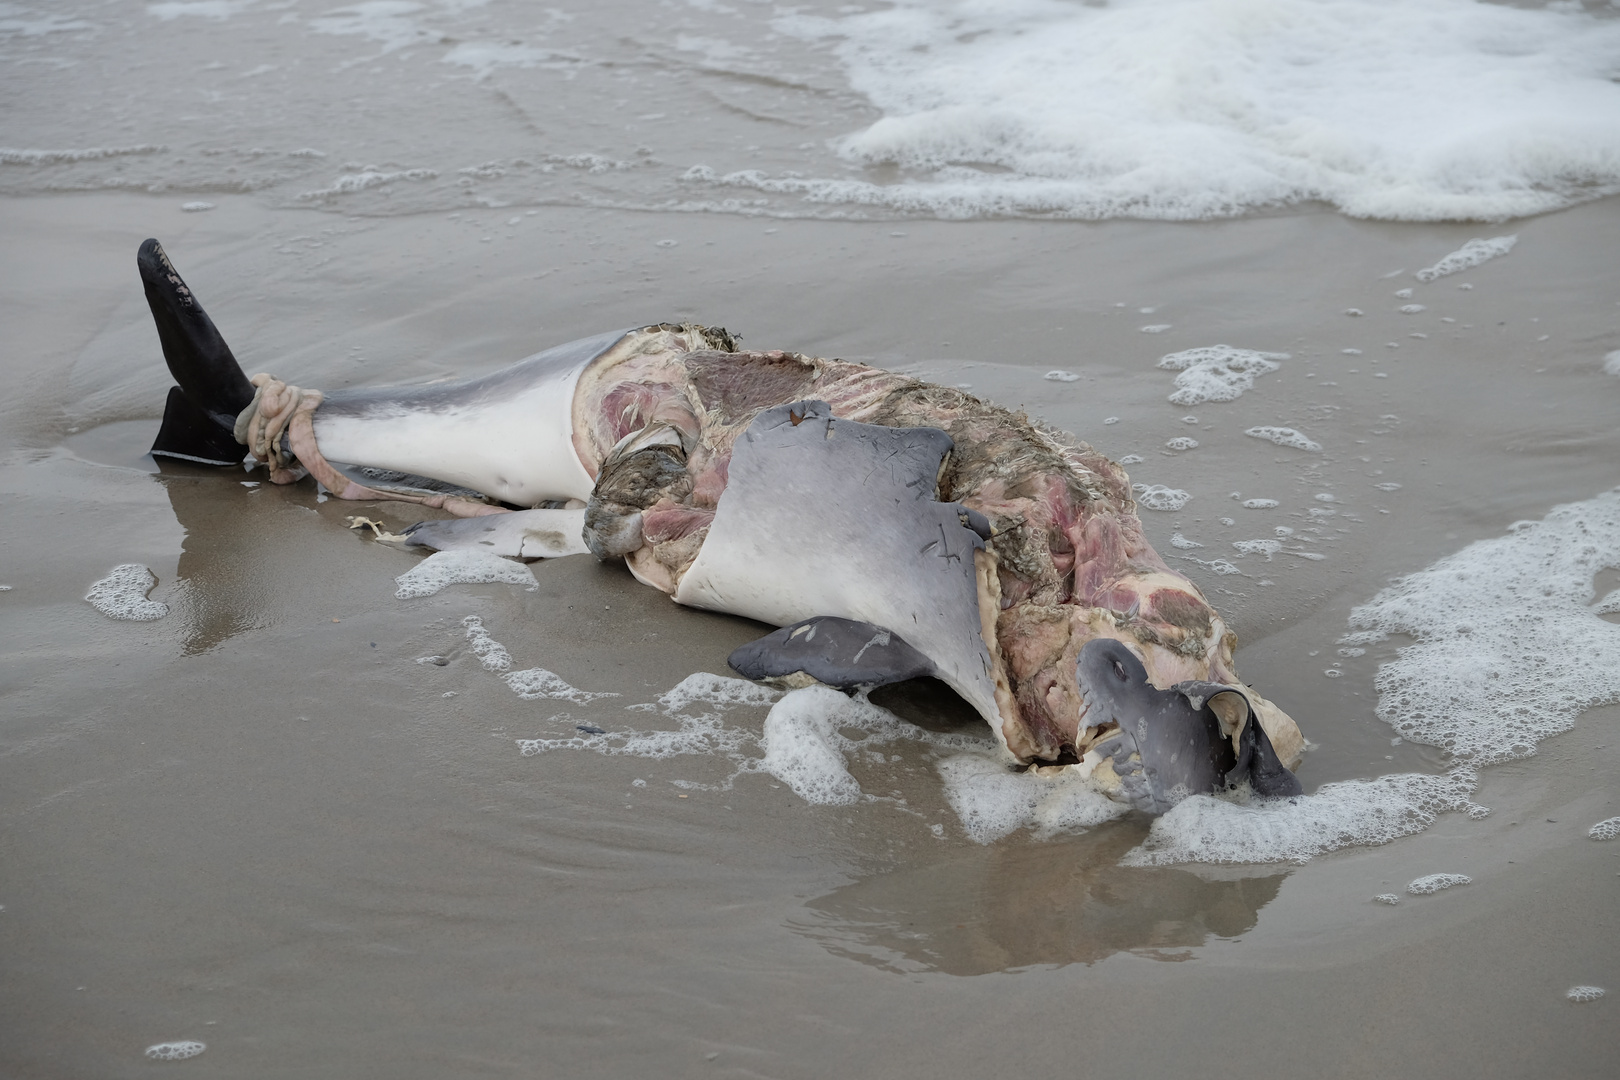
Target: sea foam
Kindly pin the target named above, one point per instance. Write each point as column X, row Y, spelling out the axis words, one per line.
column 175, row 1051
column 122, row 594
column 1469, row 255
column 1510, row 645
column 1160, row 497
column 1284, row 436
column 1429, row 884
column 1217, row 372
column 445, row 568
column 1179, row 109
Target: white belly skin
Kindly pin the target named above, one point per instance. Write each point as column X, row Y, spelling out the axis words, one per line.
column 509, row 435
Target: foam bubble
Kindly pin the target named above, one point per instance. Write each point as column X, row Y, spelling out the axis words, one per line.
column 122, row 594
column 444, row 568
column 1207, row 828
column 491, row 653
column 1469, row 255
column 350, row 183
column 804, row 748
column 1584, row 994
column 1111, row 420
column 175, row 1051
column 531, row 684
column 1509, row 647
column 699, row 731
column 1608, row 829
column 1268, row 548
column 1388, row 898
column 1388, row 485
column 1261, row 504
column 722, row 691
column 1430, row 884
column 1611, row 363
column 1182, row 442
column 1156, row 328
column 1132, row 459
column 1217, row 372
column 1062, row 376
column 1159, row 497
column 1412, row 309
column 10, row 156
column 1219, row 566
column 1284, row 436
column 1179, row 541
column 992, row 801
column 1179, row 109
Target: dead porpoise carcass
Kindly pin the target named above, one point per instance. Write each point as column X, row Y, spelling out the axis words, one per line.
column 890, row 527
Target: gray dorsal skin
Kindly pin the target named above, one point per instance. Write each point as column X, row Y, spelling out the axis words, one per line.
column 1257, row 759
column 524, row 534
column 507, row 434
column 1173, row 743
column 825, row 517
column 839, row 652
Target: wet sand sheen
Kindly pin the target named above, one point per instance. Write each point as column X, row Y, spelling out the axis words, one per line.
column 253, row 826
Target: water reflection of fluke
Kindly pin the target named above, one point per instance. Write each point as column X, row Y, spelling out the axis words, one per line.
column 224, row 536
column 1013, row 905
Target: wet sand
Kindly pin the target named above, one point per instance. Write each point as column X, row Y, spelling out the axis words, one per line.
column 261, row 824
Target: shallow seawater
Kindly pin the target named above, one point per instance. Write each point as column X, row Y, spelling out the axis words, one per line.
column 531, row 827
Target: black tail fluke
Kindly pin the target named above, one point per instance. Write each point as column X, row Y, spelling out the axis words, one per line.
column 201, row 413
column 190, row 434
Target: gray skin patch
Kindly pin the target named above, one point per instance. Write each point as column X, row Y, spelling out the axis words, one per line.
column 839, row 652
column 827, row 517
column 525, row 534
column 1170, row 743
column 483, row 390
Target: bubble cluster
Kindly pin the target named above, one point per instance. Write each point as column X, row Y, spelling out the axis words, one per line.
column 697, row 705
column 1260, row 504
column 122, row 594
column 1608, row 829
column 1209, row 828
column 991, row 801
column 1283, row 436
column 1430, row 884
column 1387, row 898
column 1268, row 548
column 444, row 568
column 1584, row 994
column 1509, row 647
column 1061, row 376
column 175, row 1051
column 1217, row 372
column 1182, row 442
column 1469, row 255
column 532, row 684
column 491, row 653
column 1159, row 497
